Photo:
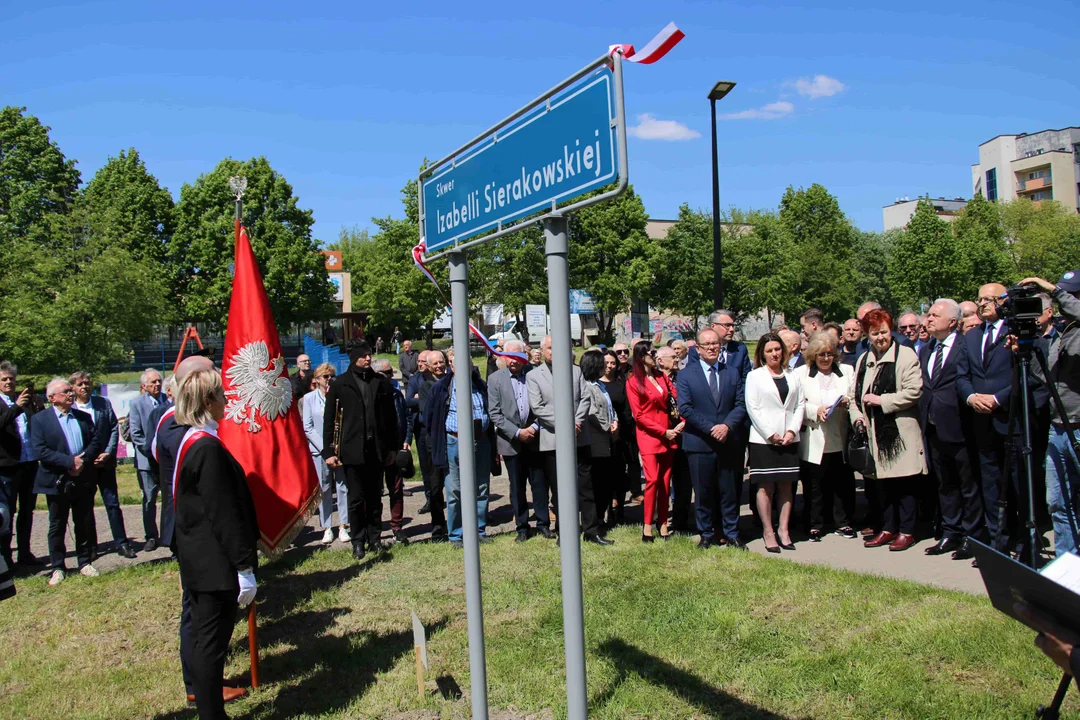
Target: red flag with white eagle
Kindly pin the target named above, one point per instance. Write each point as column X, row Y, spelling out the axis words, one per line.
column 262, row 427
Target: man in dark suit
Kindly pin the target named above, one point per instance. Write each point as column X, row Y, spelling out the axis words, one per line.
column 711, row 399
column 408, row 362
column 301, row 381
column 852, row 332
column 946, row 424
column 65, row 444
column 518, row 434
column 369, row 442
column 416, row 395
column 101, row 470
column 984, row 383
column 18, row 465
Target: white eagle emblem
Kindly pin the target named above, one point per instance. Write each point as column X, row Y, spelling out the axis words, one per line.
column 257, row 388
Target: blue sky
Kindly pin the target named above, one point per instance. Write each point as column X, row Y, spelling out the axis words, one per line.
column 346, row 98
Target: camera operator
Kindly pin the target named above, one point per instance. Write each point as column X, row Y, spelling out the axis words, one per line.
column 1062, row 350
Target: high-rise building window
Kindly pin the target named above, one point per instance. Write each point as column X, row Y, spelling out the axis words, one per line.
column 991, row 184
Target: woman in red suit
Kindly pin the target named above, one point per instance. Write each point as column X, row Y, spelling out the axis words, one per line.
column 652, row 401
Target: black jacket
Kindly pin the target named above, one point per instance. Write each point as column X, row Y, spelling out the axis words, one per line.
column 54, row 457
column 940, row 403
column 375, row 421
column 216, row 529
column 10, row 442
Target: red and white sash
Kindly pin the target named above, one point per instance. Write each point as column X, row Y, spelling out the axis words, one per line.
column 153, row 443
column 190, row 437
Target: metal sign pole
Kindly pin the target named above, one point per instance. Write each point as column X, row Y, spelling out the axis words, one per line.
column 557, row 249
column 459, row 298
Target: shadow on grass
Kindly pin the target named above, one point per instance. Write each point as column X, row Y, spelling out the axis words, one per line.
column 630, row 660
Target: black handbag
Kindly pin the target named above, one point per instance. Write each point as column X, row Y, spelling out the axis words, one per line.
column 859, row 455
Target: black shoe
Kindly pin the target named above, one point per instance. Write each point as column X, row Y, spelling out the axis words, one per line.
column 399, row 538
column 376, row 547
column 484, row 539
column 522, row 536
column 847, row 532
column 647, row 538
column 774, row 549
column 125, row 550
column 962, row 554
column 424, row 509
column 787, row 546
column 545, row 532
column 457, row 544
column 358, row 551
column 736, row 543
column 597, row 540
column 151, row 545
column 815, row 536
column 704, row 544
column 941, row 547
column 26, row 559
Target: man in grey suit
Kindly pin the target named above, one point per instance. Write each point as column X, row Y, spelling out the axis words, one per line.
column 518, row 436
column 541, row 386
column 139, row 414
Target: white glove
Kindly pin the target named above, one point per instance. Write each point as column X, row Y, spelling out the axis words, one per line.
column 248, row 587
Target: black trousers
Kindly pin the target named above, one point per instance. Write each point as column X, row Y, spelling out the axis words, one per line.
column 682, row 491
column 213, row 615
column 423, row 452
column 828, row 492
column 716, row 499
column 631, row 479
column 901, row 507
column 81, row 509
column 167, row 514
column 105, row 480
column 590, row 521
column 606, row 472
column 17, row 485
column 187, row 642
column 524, row 470
column 872, row 493
column 365, row 483
column 958, row 492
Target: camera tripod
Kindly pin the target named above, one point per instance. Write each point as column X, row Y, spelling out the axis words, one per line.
column 1026, row 349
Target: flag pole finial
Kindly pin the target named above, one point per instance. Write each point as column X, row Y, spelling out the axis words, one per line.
column 238, row 184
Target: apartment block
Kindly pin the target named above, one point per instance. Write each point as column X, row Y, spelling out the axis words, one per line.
column 900, row 212
column 1039, row 166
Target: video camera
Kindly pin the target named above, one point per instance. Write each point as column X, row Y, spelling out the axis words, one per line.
column 1021, row 309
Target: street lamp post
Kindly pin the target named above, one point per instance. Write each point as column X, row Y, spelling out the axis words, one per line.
column 718, row 92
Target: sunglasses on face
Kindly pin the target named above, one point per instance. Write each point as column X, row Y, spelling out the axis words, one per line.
column 622, row 352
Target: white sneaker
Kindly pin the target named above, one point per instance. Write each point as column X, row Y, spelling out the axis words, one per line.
column 343, row 535
column 56, row 578
column 88, row 571
column 328, row 536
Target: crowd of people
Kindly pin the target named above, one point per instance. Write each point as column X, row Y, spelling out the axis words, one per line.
column 922, row 408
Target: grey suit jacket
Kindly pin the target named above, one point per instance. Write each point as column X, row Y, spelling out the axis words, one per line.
column 541, row 385
column 502, row 406
column 141, row 432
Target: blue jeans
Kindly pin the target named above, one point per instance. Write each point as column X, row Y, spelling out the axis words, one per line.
column 482, row 454
column 1061, row 470
column 327, row 480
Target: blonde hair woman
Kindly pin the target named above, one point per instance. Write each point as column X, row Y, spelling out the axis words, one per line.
column 216, row 534
column 314, row 407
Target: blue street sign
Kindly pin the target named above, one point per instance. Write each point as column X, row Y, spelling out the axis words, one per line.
column 553, row 154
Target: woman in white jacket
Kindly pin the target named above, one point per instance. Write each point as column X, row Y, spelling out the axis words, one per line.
column 774, row 402
column 828, row 482
column 314, row 405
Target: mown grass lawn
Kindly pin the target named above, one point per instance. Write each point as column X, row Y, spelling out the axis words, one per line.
column 672, row 632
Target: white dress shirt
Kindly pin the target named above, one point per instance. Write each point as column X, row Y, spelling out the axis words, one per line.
column 947, row 343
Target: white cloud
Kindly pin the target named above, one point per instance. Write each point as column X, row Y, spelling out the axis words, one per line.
column 772, row 111
column 821, row 86
column 649, row 128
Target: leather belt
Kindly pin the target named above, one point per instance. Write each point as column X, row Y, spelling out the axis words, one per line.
column 478, row 428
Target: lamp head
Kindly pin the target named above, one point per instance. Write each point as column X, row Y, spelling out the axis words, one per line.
column 721, row 89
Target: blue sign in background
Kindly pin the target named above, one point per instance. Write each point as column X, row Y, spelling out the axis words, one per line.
column 554, row 154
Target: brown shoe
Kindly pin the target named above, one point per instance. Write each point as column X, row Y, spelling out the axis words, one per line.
column 901, row 543
column 882, row 538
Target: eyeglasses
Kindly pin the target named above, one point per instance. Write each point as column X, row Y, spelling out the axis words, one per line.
column 908, row 327
column 622, row 352
column 709, row 345
column 985, row 300
column 725, row 325
column 826, row 353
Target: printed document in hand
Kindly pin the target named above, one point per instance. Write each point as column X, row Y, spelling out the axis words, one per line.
column 832, row 408
column 1065, row 571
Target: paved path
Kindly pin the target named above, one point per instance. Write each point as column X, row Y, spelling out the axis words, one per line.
column 834, row 550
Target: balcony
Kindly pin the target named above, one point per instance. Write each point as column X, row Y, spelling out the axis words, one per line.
column 1035, row 184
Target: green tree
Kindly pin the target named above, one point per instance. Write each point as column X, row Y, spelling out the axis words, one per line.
column 980, row 234
column 357, row 250
column 816, row 265
column 393, row 290
column 1043, row 239
column 927, row 261
column 124, row 205
column 871, row 254
column 36, row 180
column 201, row 251
column 611, row 257
column 510, row 270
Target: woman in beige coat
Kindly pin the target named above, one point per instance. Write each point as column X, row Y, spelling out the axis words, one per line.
column 888, row 384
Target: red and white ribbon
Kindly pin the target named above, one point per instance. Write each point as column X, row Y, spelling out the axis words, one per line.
column 157, row 430
column 657, row 48
column 190, row 436
column 418, row 260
